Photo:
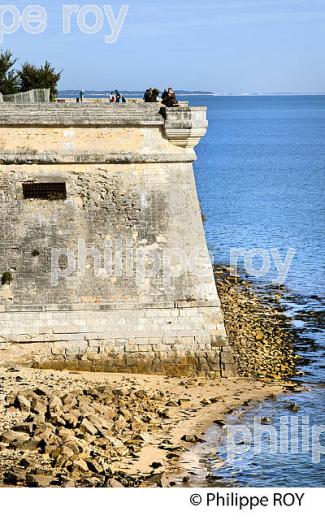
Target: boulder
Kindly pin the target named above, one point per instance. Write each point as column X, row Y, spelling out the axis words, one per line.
column 22, row 403
column 13, row 477
column 76, row 446
column 94, row 466
column 97, row 421
column 10, row 437
column 39, row 480
column 41, row 390
column 25, row 427
column 10, row 400
column 57, row 419
column 32, row 444
column 88, row 427
column 156, row 465
column 119, row 392
column 39, row 407
column 266, row 420
column 138, row 425
column 55, row 404
column 80, row 465
column 113, row 483
column 191, row 438
column 70, row 420
column 68, row 483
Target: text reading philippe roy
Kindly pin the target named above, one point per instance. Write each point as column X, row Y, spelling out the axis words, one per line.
column 246, row 501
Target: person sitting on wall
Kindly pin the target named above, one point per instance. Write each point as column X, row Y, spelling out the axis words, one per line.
column 118, row 96
column 112, row 97
column 151, row 95
column 164, row 95
column 169, row 98
column 147, row 95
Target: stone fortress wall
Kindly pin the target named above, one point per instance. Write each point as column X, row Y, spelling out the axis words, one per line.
column 127, row 173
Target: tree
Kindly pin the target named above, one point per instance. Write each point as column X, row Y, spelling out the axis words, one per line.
column 9, row 80
column 32, row 77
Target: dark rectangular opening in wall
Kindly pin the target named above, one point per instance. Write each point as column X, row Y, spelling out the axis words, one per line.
column 45, row 191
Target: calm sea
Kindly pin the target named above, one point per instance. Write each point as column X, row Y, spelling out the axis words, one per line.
column 261, row 177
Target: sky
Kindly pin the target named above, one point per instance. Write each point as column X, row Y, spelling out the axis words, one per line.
column 224, row 46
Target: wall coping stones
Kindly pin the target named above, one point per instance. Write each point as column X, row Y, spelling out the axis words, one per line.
column 183, row 125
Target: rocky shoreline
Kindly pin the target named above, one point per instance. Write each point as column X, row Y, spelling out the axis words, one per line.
column 70, row 429
column 259, row 333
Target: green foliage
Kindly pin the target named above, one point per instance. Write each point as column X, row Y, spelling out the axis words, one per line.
column 6, row 278
column 32, row 77
column 9, row 80
column 28, row 78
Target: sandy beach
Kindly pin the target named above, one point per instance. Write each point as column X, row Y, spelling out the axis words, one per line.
column 141, row 430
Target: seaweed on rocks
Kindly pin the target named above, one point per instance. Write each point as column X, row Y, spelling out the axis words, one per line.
column 259, row 332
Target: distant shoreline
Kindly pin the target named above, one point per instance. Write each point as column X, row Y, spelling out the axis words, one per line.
column 136, row 93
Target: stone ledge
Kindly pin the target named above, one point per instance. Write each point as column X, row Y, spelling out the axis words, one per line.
column 96, row 158
column 108, row 306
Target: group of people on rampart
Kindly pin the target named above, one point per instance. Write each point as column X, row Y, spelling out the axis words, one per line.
column 151, row 95
column 168, row 97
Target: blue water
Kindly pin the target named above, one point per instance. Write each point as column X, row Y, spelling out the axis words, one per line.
column 261, row 177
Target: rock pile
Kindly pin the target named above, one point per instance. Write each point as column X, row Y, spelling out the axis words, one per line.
column 74, row 438
column 259, row 333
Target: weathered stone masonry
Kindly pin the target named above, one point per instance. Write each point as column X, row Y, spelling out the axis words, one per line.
column 129, row 180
